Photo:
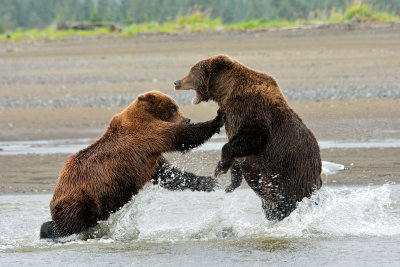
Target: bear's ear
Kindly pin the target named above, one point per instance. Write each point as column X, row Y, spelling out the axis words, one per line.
column 116, row 124
column 149, row 97
column 221, row 61
column 225, row 59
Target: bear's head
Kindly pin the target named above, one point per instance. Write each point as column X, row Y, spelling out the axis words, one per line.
column 148, row 107
column 205, row 78
column 161, row 107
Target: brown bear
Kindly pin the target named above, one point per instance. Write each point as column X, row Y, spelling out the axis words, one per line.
column 269, row 145
column 100, row 179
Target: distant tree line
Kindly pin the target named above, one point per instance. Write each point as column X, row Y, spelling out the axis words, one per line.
column 42, row 13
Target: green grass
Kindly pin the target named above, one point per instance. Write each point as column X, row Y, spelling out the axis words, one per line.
column 50, row 34
column 194, row 22
column 261, row 23
column 2, row 29
column 364, row 12
column 198, row 22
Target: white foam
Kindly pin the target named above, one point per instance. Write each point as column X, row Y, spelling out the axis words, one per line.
column 159, row 215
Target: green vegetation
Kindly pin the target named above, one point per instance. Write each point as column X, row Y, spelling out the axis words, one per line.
column 94, row 17
column 28, row 14
column 364, row 12
column 2, row 29
column 51, row 34
column 198, row 21
column 262, row 23
column 194, row 22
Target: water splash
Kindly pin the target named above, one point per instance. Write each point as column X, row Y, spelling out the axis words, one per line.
column 158, row 215
column 363, row 211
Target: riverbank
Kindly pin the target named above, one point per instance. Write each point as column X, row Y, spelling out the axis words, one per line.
column 344, row 84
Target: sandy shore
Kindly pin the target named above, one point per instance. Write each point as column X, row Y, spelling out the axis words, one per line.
column 309, row 66
column 29, row 174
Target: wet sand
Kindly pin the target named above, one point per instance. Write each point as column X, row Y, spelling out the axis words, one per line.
column 30, row 174
column 299, row 60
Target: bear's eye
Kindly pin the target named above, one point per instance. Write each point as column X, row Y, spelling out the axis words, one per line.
column 173, row 109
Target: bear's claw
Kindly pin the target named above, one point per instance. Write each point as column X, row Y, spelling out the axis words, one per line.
column 221, row 169
column 205, row 183
column 230, row 189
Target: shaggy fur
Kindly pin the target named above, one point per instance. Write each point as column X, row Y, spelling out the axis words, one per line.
column 269, row 145
column 100, row 179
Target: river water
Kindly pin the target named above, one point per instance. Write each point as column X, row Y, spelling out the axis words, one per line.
column 349, row 226
column 69, row 146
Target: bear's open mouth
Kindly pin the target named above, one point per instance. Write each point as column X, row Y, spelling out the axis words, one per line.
column 196, row 99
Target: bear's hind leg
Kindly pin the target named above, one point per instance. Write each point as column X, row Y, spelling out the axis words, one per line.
column 236, row 177
column 75, row 213
column 277, row 211
column 49, row 230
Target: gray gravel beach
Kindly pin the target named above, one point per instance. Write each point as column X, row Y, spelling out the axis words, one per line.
column 344, row 83
column 184, row 98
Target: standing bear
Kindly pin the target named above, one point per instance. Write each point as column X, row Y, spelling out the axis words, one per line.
column 269, row 145
column 100, row 179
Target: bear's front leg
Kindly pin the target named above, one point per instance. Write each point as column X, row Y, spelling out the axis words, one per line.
column 247, row 141
column 236, row 177
column 172, row 178
column 193, row 135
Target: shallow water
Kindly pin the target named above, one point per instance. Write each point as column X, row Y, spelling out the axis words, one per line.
column 350, row 226
column 69, row 146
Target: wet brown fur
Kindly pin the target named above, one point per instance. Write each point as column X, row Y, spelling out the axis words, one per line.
column 269, row 145
column 103, row 177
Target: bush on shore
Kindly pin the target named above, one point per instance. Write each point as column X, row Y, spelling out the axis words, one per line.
column 201, row 22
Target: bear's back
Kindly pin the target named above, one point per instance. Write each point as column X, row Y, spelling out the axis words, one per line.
column 112, row 168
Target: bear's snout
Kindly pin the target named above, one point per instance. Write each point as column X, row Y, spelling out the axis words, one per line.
column 186, row 120
column 177, row 84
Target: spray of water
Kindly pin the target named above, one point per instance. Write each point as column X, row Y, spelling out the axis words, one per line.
column 159, row 215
